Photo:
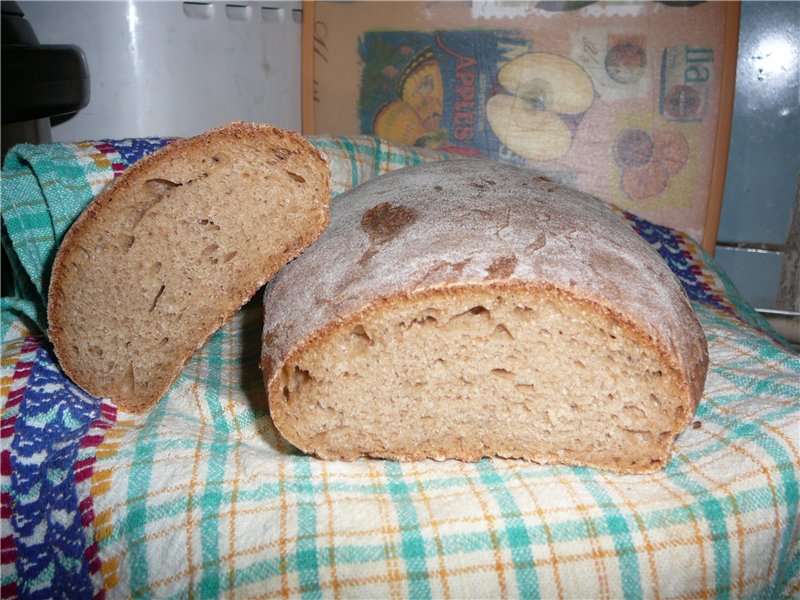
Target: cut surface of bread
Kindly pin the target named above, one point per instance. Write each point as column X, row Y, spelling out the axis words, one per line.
column 172, row 248
column 469, row 309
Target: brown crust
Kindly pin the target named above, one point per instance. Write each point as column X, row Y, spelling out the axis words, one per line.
column 440, row 228
column 238, row 131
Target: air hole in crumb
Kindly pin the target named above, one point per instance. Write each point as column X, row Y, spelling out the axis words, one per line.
column 155, row 267
column 475, row 311
column 164, row 341
column 209, row 224
column 127, row 383
column 156, row 299
column 634, row 412
column 505, row 373
column 299, row 377
column 126, row 241
column 424, row 320
column 296, row 177
column 95, row 351
column 161, row 185
column 360, row 333
column 207, row 252
column 502, row 331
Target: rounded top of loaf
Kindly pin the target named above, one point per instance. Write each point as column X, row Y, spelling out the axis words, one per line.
column 475, row 222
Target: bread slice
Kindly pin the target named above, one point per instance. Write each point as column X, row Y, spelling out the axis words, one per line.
column 172, row 248
column 470, row 308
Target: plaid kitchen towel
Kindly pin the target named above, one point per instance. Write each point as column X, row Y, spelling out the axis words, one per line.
column 201, row 497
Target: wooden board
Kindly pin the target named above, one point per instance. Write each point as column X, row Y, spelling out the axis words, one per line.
column 631, row 102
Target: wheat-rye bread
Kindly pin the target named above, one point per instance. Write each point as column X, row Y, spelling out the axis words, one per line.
column 471, row 308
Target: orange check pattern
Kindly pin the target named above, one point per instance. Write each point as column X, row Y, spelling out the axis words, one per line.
column 201, row 497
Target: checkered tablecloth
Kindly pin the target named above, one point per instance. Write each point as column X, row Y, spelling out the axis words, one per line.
column 202, row 498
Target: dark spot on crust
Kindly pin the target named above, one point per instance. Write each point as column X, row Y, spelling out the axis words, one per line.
column 542, row 178
column 442, row 269
column 365, row 258
column 266, row 365
column 536, row 244
column 502, row 267
column 384, row 222
column 455, row 268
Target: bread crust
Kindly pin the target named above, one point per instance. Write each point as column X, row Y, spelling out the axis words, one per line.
column 445, row 229
column 255, row 138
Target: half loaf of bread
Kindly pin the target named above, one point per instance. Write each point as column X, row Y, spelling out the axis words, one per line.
column 471, row 308
column 172, row 248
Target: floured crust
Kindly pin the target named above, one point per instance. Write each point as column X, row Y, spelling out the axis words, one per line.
column 445, row 228
column 229, row 158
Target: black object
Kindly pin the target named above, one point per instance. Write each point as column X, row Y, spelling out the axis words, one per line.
column 38, row 81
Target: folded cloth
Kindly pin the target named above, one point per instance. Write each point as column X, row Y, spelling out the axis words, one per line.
column 201, row 496
column 45, row 188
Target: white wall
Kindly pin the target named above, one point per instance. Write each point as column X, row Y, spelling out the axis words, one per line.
column 177, row 68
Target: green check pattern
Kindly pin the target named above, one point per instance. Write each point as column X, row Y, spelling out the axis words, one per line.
column 203, row 498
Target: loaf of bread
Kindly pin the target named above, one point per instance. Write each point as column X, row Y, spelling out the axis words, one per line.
column 471, row 308
column 172, row 248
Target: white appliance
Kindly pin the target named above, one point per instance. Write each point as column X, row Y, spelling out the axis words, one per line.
column 177, row 68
